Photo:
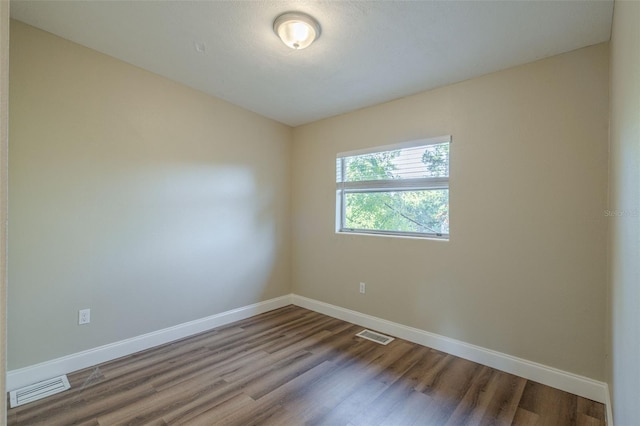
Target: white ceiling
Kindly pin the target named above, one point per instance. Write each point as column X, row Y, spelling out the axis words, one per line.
column 369, row 51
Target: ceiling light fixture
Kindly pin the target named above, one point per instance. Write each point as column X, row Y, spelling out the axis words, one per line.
column 296, row 30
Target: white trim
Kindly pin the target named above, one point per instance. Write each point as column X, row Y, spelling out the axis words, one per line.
column 569, row 382
column 386, row 185
column 431, row 237
column 67, row 364
column 550, row 376
column 608, row 406
column 401, row 145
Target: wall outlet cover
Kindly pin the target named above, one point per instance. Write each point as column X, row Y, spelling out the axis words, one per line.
column 84, row 316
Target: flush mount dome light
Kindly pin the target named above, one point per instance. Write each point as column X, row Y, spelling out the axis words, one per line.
column 296, row 30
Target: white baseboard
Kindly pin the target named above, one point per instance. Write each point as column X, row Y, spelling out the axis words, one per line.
column 67, row 364
column 579, row 385
column 569, row 382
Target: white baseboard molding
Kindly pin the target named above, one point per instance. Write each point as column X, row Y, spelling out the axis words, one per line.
column 579, row 385
column 67, row 364
column 569, row 382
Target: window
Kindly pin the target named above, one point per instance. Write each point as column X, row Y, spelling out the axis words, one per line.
column 395, row 190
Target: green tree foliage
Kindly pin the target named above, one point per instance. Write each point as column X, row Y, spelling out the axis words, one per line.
column 371, row 166
column 436, row 160
column 425, row 211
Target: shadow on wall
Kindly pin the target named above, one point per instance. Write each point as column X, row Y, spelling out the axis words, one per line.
column 146, row 248
column 201, row 236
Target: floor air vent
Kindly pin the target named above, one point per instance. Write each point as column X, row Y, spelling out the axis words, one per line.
column 375, row 337
column 38, row 391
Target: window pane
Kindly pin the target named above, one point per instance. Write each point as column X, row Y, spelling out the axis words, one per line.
column 424, row 211
column 376, row 166
column 407, row 163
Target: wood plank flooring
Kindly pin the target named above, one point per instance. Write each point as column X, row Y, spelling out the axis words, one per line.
column 292, row 366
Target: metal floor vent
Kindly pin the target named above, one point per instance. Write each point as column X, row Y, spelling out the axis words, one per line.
column 375, row 337
column 38, row 391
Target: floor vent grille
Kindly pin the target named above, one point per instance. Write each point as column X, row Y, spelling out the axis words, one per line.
column 38, row 391
column 375, row 337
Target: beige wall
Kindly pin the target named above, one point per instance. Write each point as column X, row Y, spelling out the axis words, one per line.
column 525, row 270
column 4, row 140
column 146, row 201
column 624, row 186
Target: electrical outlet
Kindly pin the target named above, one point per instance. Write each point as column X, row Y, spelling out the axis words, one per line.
column 84, row 316
column 362, row 288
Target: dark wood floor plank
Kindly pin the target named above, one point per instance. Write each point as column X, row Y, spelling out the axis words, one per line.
column 352, row 405
column 432, row 376
column 332, row 389
column 447, row 385
column 584, row 420
column 591, row 408
column 525, row 418
column 340, row 345
column 293, row 337
column 400, row 394
column 257, row 415
column 413, row 410
column 282, row 395
column 154, row 406
column 239, row 402
column 271, row 358
column 169, row 353
column 475, row 400
column 213, row 365
column 552, row 405
column 491, row 399
column 272, row 377
column 292, row 366
column 504, row 404
column 392, row 398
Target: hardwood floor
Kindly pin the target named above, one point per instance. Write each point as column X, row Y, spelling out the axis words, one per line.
column 292, row 366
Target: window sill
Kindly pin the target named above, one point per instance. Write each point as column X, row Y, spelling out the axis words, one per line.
column 410, row 237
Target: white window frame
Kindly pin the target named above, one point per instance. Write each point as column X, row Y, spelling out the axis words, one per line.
column 427, row 183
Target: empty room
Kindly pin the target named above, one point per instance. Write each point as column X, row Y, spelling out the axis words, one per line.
column 320, row 212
